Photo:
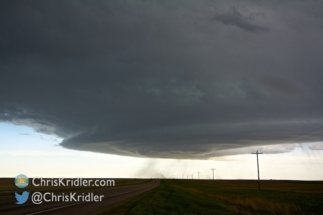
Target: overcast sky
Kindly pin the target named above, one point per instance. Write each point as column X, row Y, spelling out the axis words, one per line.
column 164, row 79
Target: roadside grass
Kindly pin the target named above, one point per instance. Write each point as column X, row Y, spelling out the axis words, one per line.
column 263, row 205
column 226, row 197
column 243, row 205
column 168, row 199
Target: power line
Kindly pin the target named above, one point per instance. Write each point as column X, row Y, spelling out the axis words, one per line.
column 257, row 153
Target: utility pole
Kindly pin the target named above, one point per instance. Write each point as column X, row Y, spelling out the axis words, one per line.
column 213, row 172
column 198, row 175
column 257, row 153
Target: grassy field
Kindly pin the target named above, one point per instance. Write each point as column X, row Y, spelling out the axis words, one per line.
column 226, row 197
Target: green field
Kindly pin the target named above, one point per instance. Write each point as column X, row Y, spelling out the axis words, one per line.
column 226, row 197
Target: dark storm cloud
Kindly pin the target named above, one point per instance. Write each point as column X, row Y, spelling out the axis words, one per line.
column 235, row 18
column 280, row 85
column 163, row 78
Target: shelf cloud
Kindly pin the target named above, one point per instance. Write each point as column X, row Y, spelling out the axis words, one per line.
column 166, row 79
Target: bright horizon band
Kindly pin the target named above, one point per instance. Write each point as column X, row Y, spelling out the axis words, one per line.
column 74, row 182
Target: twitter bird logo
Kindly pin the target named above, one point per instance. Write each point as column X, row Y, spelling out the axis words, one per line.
column 21, row 199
